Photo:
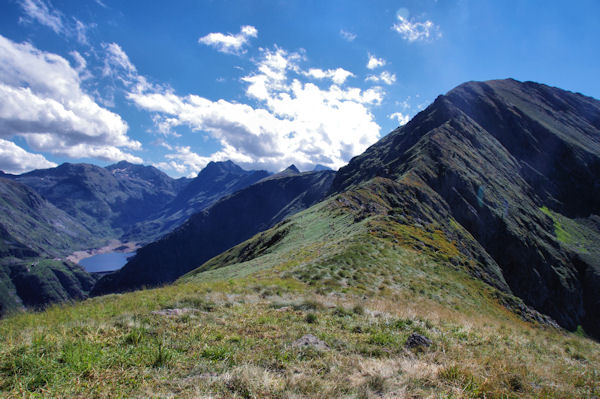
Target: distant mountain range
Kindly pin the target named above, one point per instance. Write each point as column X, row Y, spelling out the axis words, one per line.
column 106, row 200
column 47, row 214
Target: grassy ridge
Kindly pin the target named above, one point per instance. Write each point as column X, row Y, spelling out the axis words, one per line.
column 361, row 283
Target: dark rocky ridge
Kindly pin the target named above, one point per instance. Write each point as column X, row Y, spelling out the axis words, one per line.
column 228, row 222
column 494, row 154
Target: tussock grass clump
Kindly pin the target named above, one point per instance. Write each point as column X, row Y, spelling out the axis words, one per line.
column 311, row 318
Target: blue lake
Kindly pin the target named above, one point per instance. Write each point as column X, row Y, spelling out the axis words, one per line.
column 107, row 262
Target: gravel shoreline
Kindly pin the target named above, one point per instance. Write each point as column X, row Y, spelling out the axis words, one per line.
column 113, row 246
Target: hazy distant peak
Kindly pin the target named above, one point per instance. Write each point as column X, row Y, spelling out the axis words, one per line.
column 292, row 168
column 221, row 167
column 318, row 167
column 123, row 165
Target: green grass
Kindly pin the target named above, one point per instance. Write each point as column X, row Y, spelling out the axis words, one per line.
column 361, row 285
column 115, row 347
column 573, row 233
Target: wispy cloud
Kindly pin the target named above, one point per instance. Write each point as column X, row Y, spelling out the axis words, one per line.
column 375, row 62
column 80, row 31
column 229, row 43
column 117, row 63
column 416, row 31
column 348, row 36
column 43, row 13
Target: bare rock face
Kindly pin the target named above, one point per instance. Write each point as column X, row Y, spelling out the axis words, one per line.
column 174, row 312
column 310, row 341
column 417, row 341
column 513, row 170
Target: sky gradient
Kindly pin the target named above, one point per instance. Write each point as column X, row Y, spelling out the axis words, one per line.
column 263, row 83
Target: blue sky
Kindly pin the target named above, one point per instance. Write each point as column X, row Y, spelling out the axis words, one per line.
column 263, row 83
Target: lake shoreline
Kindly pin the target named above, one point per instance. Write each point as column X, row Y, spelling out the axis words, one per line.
column 112, row 246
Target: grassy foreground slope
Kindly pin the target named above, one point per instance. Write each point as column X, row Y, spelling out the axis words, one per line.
column 353, row 271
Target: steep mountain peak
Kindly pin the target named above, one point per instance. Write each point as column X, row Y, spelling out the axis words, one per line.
column 216, row 180
column 292, row 168
column 221, row 167
column 122, row 165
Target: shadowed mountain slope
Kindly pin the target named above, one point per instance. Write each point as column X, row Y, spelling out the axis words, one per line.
column 517, row 165
column 32, row 229
column 106, row 200
column 217, row 228
column 33, row 222
column 216, row 180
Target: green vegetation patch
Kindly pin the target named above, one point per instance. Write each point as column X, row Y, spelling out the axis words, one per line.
column 573, row 233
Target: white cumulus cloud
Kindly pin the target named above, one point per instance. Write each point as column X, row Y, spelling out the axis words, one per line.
column 375, row 62
column 338, row 76
column 416, row 31
column 41, row 99
column 14, row 159
column 293, row 122
column 384, row 77
column 400, row 117
column 229, row 43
